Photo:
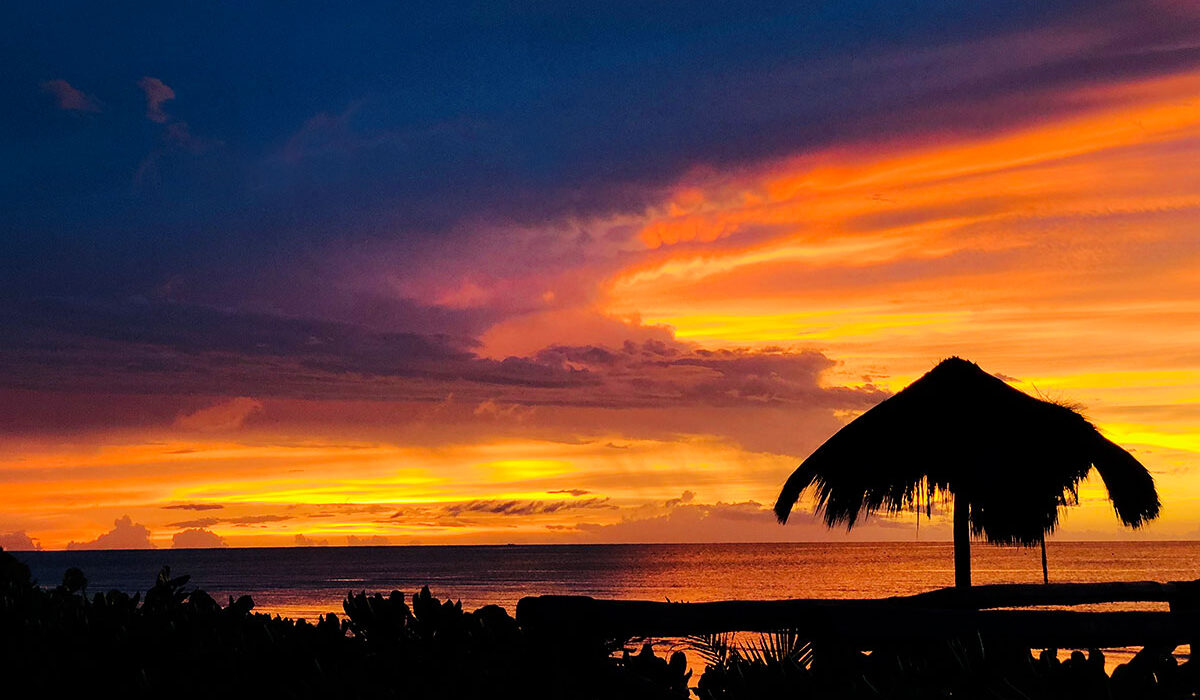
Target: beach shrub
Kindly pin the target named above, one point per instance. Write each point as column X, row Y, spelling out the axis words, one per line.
column 783, row 665
column 777, row 665
column 180, row 643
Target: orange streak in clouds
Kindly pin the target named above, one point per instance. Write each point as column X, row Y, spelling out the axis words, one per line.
column 1031, row 201
column 63, row 495
column 1064, row 253
column 1065, row 250
column 819, row 196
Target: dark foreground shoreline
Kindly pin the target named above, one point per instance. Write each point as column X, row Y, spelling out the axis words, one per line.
column 181, row 643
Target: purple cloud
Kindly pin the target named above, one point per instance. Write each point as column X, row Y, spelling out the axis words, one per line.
column 165, row 350
column 198, row 523
column 256, row 519
column 223, row 416
column 157, row 92
column 498, row 507
column 745, row 521
column 71, row 98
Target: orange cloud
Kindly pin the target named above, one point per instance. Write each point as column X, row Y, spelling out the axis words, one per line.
column 196, row 538
column 125, row 535
column 1061, row 251
column 1020, row 245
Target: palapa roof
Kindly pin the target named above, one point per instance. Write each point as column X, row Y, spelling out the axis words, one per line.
column 1016, row 458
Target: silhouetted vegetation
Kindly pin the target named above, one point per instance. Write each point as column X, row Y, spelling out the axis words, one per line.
column 784, row 665
column 176, row 642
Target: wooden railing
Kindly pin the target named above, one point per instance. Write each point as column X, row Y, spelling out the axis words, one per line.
column 868, row 623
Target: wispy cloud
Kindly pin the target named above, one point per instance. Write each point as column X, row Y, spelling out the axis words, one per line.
column 256, row 519
column 221, row 417
column 181, row 349
column 516, row 507
column 236, row 521
column 621, row 285
column 157, row 93
column 71, row 98
column 197, row 523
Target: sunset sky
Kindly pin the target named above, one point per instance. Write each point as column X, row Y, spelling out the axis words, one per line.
column 544, row 272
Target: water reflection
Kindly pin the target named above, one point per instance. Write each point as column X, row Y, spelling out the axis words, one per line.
column 309, row 581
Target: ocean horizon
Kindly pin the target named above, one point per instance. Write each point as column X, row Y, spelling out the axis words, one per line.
column 306, row 582
column 309, row 581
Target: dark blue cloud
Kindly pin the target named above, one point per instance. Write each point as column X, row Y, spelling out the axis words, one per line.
column 296, row 128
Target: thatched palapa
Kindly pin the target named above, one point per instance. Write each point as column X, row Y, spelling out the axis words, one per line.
column 1009, row 460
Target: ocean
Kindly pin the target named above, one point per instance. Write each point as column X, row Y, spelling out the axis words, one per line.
column 306, row 582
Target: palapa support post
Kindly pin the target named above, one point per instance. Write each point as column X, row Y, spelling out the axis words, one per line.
column 1045, row 570
column 962, row 542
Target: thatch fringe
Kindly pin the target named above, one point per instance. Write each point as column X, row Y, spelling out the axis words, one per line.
column 959, row 432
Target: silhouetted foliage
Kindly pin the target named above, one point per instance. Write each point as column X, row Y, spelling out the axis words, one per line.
column 777, row 666
column 783, row 665
column 176, row 642
column 181, row 643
